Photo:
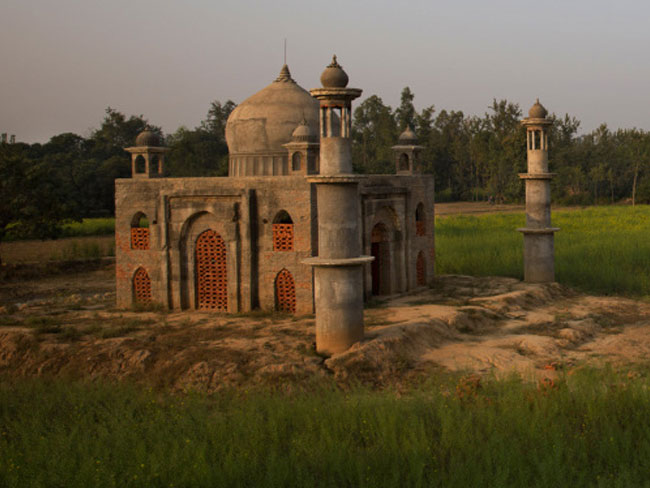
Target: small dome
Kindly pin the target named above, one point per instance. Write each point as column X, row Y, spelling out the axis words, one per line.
column 333, row 76
column 537, row 111
column 304, row 133
column 408, row 137
column 148, row 138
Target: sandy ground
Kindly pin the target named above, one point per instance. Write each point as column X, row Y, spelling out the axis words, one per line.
column 68, row 325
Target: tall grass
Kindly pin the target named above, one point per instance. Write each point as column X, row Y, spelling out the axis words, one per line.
column 590, row 430
column 598, row 249
column 87, row 227
column 90, row 227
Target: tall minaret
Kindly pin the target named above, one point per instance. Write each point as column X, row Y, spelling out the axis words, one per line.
column 539, row 255
column 338, row 268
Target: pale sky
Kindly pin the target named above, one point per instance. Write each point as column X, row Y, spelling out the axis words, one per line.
column 63, row 62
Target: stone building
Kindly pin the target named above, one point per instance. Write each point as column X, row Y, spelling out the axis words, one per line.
column 239, row 243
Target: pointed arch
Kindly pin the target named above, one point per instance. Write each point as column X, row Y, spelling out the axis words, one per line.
column 282, row 231
column 141, row 286
column 285, row 292
column 140, row 232
column 140, row 164
column 403, row 162
column 211, row 272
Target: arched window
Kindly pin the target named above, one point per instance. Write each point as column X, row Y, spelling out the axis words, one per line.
column 295, row 161
column 282, row 232
column 420, row 220
column 155, row 165
column 285, row 292
column 403, row 162
column 141, row 286
column 140, row 164
column 140, row 232
column 421, row 269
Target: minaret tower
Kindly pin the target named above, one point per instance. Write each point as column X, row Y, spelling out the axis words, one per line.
column 148, row 155
column 338, row 268
column 539, row 254
column 407, row 153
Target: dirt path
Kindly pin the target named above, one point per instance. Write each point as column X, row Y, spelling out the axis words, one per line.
column 70, row 326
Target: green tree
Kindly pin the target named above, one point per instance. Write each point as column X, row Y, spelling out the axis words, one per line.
column 374, row 132
column 34, row 199
column 405, row 114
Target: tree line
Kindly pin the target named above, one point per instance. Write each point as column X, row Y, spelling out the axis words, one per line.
column 472, row 158
column 477, row 157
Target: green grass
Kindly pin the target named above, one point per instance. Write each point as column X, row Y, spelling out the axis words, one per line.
column 598, row 249
column 590, row 429
column 88, row 227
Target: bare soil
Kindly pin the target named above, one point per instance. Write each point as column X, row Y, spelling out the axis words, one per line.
column 67, row 325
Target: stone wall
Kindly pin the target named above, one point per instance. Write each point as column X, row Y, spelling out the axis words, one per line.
column 241, row 211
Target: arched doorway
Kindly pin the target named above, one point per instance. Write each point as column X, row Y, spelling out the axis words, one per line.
column 380, row 267
column 211, row 272
column 285, row 292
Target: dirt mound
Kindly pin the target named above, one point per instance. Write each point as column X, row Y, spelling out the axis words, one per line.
column 69, row 326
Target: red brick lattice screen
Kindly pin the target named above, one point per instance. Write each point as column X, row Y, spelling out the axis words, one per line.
column 211, row 272
column 141, row 286
column 283, row 237
column 420, row 228
column 420, row 270
column 285, row 292
column 140, row 238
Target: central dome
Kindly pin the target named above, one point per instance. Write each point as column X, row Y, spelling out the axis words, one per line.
column 262, row 123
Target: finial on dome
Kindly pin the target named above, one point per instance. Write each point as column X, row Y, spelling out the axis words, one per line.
column 303, row 133
column 333, row 76
column 408, row 137
column 537, row 111
column 285, row 75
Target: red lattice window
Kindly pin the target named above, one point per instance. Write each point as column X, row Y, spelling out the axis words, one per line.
column 420, row 227
column 141, row 286
column 420, row 270
column 285, row 292
column 211, row 272
column 283, row 237
column 139, row 238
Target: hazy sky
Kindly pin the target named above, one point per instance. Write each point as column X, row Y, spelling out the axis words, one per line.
column 63, row 62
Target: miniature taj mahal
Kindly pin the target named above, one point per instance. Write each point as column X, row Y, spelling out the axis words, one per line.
column 291, row 228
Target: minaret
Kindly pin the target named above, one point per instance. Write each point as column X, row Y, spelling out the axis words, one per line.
column 338, row 268
column 539, row 255
column 147, row 156
column 407, row 153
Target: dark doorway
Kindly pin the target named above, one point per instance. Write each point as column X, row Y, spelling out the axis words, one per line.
column 380, row 267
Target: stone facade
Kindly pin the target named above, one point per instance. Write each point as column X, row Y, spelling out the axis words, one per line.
column 239, row 243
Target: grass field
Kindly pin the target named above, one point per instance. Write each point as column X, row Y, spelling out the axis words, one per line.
column 87, row 227
column 589, row 429
column 598, row 249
